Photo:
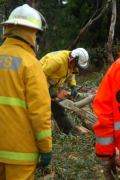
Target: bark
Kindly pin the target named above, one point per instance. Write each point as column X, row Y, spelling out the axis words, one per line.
column 110, row 58
column 87, row 116
column 83, row 95
column 70, row 104
column 84, row 101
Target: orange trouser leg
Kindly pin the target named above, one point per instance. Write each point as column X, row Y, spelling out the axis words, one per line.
column 17, row 172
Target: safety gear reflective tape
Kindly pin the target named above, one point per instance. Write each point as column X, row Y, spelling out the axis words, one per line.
column 12, row 101
column 105, row 140
column 34, row 21
column 43, row 134
column 18, row 156
column 117, row 126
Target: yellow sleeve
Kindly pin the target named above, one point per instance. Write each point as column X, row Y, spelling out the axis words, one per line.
column 71, row 80
column 50, row 65
column 39, row 106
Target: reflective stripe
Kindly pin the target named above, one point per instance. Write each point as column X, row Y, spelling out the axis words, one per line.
column 12, row 101
column 105, row 140
column 117, row 126
column 43, row 134
column 20, row 19
column 19, row 156
column 34, row 21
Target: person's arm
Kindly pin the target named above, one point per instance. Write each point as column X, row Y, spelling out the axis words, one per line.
column 39, row 106
column 50, row 65
column 104, row 127
column 72, row 84
column 71, row 80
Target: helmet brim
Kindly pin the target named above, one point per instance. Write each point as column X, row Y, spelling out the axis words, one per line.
column 84, row 66
column 21, row 22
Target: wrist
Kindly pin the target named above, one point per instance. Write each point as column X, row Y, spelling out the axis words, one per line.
column 45, row 158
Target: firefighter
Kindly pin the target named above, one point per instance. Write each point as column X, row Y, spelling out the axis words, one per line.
column 107, row 128
column 25, row 110
column 59, row 67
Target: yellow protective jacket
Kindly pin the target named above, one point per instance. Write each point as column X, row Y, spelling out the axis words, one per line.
column 55, row 67
column 25, row 125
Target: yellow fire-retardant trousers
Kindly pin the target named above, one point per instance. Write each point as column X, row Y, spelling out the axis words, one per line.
column 17, row 172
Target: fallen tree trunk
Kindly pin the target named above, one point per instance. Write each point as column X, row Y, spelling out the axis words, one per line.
column 84, row 101
column 70, row 104
column 84, row 95
column 88, row 117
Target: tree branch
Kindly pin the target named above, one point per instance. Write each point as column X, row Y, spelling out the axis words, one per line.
column 88, row 24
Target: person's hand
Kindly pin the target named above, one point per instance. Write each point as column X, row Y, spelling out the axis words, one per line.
column 45, row 160
column 52, row 92
column 109, row 167
column 73, row 91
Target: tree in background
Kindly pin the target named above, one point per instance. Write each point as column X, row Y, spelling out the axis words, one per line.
column 66, row 18
column 109, row 43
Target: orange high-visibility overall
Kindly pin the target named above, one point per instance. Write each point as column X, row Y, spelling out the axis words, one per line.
column 107, row 109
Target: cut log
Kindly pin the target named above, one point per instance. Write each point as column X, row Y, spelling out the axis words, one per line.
column 88, row 117
column 85, row 101
column 70, row 104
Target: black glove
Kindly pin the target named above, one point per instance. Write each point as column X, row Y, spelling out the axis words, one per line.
column 45, row 160
column 73, row 91
column 109, row 167
column 52, row 92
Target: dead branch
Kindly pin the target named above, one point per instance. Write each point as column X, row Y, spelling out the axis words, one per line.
column 84, row 101
column 88, row 24
column 70, row 104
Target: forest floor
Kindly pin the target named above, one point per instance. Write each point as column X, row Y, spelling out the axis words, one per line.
column 74, row 157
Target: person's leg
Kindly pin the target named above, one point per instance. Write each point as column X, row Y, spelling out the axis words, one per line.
column 60, row 116
column 2, row 171
column 20, row 172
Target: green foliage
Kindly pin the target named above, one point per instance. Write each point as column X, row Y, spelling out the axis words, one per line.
column 74, row 158
column 65, row 22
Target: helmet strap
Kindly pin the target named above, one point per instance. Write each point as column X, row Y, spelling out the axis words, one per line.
column 71, row 62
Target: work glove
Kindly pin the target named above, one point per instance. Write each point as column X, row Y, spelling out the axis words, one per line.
column 73, row 91
column 45, row 160
column 52, row 92
column 109, row 167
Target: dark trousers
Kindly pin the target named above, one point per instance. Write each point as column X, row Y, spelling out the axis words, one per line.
column 60, row 116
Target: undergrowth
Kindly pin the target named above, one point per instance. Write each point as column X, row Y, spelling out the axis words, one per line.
column 74, row 156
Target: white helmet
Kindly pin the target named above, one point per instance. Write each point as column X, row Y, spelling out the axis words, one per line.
column 82, row 57
column 26, row 16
